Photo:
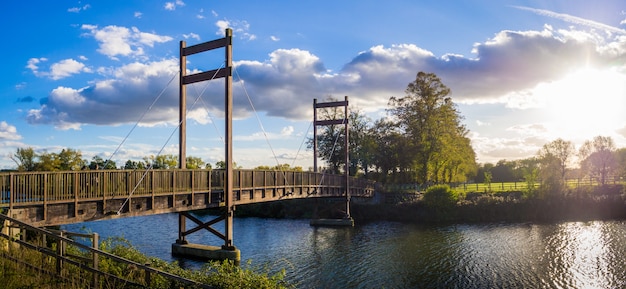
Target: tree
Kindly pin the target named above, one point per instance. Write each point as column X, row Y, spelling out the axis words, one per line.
column 162, row 162
column 194, row 162
column 70, row 159
column 554, row 158
column 98, row 163
column 598, row 158
column 558, row 154
column 429, row 119
column 25, row 158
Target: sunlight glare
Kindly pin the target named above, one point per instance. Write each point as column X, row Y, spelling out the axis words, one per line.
column 585, row 104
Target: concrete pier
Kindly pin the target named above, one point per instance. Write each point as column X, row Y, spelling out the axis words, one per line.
column 345, row 222
column 205, row 252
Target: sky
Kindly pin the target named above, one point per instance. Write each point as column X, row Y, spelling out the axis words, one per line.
column 102, row 76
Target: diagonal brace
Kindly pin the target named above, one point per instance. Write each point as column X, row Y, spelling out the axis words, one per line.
column 203, row 225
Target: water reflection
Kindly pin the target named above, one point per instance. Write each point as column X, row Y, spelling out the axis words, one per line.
column 394, row 255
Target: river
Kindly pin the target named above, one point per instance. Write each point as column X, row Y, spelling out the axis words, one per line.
column 396, row 255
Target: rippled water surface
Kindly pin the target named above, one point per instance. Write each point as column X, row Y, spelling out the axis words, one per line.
column 394, row 255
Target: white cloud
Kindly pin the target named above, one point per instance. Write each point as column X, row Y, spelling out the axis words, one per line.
column 137, row 14
column 191, row 35
column 171, row 6
column 78, row 9
column 114, row 101
column 33, row 64
column 287, row 131
column 117, row 40
column 58, row 70
column 504, row 69
column 574, row 20
column 274, row 38
column 241, row 29
column 8, row 132
column 67, row 67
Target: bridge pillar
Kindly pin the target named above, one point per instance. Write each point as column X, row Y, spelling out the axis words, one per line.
column 182, row 247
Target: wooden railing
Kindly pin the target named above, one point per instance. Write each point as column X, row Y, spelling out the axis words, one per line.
column 54, row 198
column 45, row 251
column 28, row 187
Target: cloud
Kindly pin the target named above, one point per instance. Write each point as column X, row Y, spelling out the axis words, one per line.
column 503, row 69
column 33, row 64
column 117, row 40
column 58, row 70
column 171, row 6
column 8, row 132
column 574, row 20
column 78, row 9
column 241, row 29
column 26, row 99
column 192, row 35
column 274, row 38
column 137, row 14
column 66, row 68
column 121, row 99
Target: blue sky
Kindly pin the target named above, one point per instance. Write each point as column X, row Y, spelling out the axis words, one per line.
column 80, row 74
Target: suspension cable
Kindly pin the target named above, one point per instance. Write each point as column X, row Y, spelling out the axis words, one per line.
column 161, row 150
column 256, row 114
column 140, row 119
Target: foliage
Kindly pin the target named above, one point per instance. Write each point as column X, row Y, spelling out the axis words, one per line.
column 430, row 120
column 440, row 197
column 193, row 163
column 283, row 167
column 227, row 275
column 598, row 158
column 488, row 180
column 29, row 160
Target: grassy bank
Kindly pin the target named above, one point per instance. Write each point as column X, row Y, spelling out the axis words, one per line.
column 214, row 274
column 589, row 203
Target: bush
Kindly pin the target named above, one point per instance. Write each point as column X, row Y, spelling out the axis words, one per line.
column 440, row 197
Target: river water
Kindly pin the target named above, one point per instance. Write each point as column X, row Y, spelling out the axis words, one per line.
column 395, row 255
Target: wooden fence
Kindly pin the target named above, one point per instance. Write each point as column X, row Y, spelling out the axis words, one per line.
column 45, row 251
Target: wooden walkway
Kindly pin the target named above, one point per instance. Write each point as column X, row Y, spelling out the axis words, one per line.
column 56, row 198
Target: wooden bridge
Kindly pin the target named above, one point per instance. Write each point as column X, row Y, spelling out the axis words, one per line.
column 56, row 198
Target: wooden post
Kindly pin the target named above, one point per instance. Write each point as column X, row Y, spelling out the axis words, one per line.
column 95, row 239
column 314, row 135
column 346, row 145
column 182, row 130
column 228, row 110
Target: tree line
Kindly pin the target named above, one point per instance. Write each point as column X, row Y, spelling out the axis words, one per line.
column 27, row 159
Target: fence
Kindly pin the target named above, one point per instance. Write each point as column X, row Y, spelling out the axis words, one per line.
column 48, row 252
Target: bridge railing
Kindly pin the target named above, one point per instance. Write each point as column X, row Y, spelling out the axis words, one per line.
column 64, row 186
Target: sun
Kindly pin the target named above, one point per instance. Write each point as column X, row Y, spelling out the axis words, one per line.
column 586, row 103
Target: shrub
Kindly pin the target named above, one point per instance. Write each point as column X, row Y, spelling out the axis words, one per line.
column 440, row 197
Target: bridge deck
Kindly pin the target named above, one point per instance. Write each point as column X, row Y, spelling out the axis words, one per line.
column 55, row 198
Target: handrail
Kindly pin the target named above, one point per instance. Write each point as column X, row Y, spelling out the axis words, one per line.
column 64, row 186
column 60, row 258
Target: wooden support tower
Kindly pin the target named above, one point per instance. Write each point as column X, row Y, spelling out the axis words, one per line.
column 347, row 220
column 181, row 247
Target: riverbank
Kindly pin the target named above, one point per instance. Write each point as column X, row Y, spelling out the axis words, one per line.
column 598, row 203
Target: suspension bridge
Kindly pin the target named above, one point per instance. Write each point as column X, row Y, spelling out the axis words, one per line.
column 54, row 198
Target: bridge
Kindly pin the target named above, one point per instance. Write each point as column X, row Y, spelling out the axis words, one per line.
column 57, row 198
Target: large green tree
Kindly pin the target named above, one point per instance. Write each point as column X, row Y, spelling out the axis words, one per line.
column 430, row 120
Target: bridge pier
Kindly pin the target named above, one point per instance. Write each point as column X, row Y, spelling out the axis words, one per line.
column 206, row 252
column 183, row 248
column 345, row 221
